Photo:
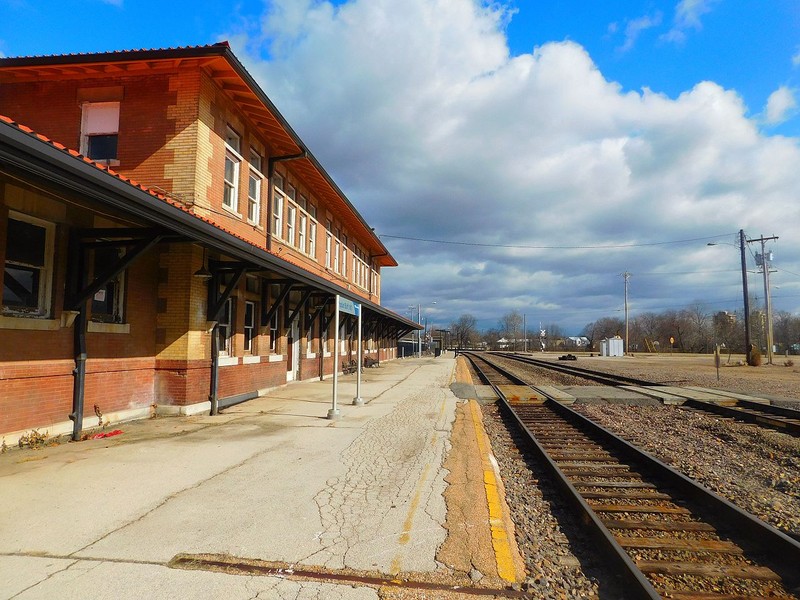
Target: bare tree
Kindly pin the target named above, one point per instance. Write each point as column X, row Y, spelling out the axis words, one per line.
column 511, row 326
column 464, row 330
column 602, row 328
column 699, row 333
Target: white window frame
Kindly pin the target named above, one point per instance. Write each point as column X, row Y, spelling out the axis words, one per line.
column 312, row 238
column 301, row 232
column 111, row 128
column 328, row 245
column 226, row 347
column 277, row 208
column 344, row 256
column 336, row 249
column 254, row 197
column 230, row 194
column 273, row 333
column 250, row 331
column 291, row 221
column 44, row 300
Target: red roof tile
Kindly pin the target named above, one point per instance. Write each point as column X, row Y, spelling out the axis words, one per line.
column 131, row 182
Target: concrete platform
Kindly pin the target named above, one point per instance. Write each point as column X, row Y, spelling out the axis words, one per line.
column 608, row 394
column 268, row 480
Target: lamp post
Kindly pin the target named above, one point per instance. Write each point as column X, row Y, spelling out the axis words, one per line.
column 419, row 331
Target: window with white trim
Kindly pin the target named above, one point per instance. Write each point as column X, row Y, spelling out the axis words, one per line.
column 100, row 130
column 225, row 329
column 336, row 248
column 254, row 188
column 344, row 256
column 28, row 269
column 249, row 326
column 291, row 215
column 312, row 239
column 273, row 333
column 301, row 232
column 277, row 207
column 233, row 160
column 328, row 244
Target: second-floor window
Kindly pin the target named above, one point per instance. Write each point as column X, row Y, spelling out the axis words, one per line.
column 328, row 244
column 291, row 213
column 254, row 189
column 233, row 160
column 344, row 256
column 277, row 207
column 100, row 130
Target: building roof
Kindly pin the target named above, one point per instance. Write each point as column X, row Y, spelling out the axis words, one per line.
column 26, row 152
column 219, row 62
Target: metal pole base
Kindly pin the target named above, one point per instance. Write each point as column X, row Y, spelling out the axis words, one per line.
column 333, row 413
column 358, row 401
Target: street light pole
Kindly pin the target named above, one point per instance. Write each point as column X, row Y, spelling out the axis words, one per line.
column 419, row 331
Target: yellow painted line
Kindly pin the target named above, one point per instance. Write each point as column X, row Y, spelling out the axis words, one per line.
column 405, row 536
column 501, row 542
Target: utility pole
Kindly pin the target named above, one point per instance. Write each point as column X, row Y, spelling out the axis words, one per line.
column 747, row 342
column 763, row 262
column 626, row 276
column 524, row 335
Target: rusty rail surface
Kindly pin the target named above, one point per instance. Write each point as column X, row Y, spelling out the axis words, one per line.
column 668, row 536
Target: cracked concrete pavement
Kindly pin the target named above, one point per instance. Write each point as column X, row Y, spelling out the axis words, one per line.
column 270, row 479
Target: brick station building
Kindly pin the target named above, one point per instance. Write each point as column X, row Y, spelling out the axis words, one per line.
column 168, row 242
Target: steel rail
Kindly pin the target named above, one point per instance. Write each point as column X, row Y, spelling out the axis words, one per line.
column 781, row 552
column 636, row 582
column 598, row 376
column 750, row 413
column 783, row 419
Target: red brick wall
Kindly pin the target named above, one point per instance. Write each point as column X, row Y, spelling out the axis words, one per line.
column 240, row 379
column 144, row 124
column 180, row 382
column 36, row 393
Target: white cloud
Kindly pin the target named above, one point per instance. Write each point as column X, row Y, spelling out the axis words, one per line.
column 780, row 104
column 796, row 58
column 635, row 27
column 687, row 16
column 435, row 131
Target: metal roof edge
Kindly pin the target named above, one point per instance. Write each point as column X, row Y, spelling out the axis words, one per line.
column 39, row 157
column 221, row 49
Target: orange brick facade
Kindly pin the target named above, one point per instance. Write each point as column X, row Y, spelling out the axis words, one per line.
column 174, row 117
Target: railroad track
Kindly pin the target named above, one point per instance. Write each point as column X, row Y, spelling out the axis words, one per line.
column 668, row 536
column 782, row 419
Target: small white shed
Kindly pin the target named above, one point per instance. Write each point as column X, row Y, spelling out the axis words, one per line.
column 612, row 347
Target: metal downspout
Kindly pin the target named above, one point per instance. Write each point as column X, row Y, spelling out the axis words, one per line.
column 213, row 395
column 79, row 373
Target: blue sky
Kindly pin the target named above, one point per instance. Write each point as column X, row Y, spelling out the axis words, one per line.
column 549, row 144
column 746, row 45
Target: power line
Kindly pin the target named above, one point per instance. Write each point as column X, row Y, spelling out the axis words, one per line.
column 523, row 246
